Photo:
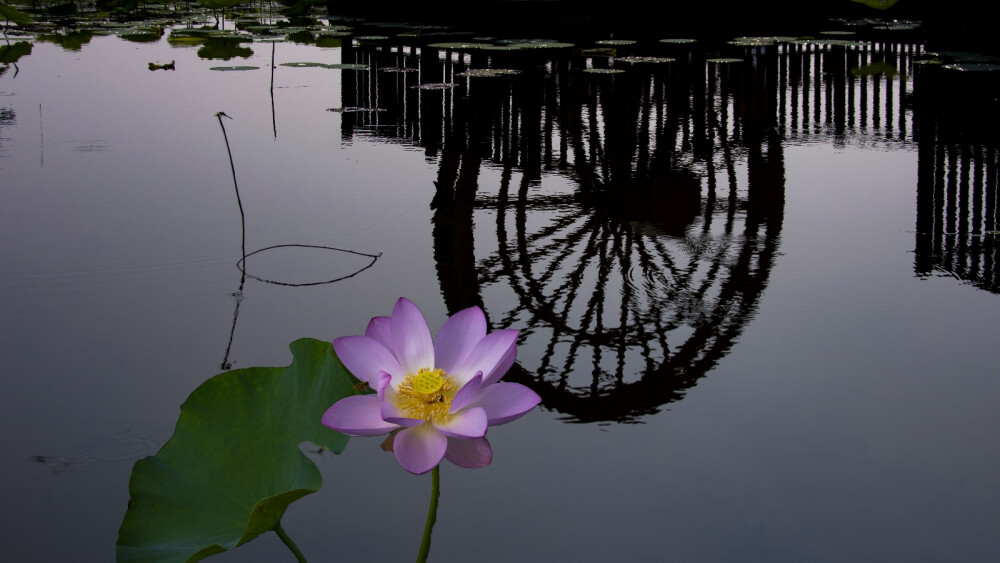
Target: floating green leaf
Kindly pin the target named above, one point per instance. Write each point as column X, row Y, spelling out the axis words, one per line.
column 11, row 53
column 645, row 60
column 488, row 72
column 233, row 464
column 878, row 4
column 234, row 68
column 72, row 41
column 458, row 46
column 616, row 42
column 435, row 86
column 223, row 49
column 8, row 13
column 876, row 69
column 341, row 66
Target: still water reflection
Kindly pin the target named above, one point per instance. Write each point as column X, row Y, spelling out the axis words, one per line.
column 791, row 236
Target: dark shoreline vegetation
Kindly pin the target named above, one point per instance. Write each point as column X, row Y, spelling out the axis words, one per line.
column 961, row 35
column 964, row 27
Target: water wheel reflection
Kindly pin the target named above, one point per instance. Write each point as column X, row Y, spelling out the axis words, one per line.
column 626, row 283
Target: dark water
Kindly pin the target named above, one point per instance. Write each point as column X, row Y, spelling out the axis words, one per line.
column 758, row 298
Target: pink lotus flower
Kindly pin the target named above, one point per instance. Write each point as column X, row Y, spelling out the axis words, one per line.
column 442, row 394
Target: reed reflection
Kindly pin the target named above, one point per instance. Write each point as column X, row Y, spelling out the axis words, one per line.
column 626, row 222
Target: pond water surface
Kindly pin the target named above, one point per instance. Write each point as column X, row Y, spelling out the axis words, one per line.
column 759, row 298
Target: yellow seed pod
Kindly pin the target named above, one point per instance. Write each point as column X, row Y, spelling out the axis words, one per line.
column 427, row 382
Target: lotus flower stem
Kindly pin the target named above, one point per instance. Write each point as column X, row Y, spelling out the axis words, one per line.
column 288, row 542
column 425, row 544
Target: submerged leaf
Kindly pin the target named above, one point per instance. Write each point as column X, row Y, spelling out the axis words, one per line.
column 11, row 53
column 615, row 42
column 233, row 465
column 343, row 66
column 877, row 4
column 8, row 13
column 640, row 60
column 488, row 72
column 355, row 109
column 876, row 69
column 436, row 86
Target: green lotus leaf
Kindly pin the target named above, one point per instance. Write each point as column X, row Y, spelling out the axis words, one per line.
column 11, row 53
column 751, row 42
column 8, row 13
column 224, row 48
column 458, row 46
column 329, row 42
column 876, row 69
column 974, row 67
column 435, row 86
column 234, row 68
column 488, row 72
column 342, row 66
column 233, row 465
column 645, row 60
column 355, row 109
column 71, row 41
column 878, row 4
column 541, row 45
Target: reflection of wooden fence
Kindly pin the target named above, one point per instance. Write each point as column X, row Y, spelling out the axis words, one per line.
column 958, row 163
column 638, row 269
column 957, row 202
column 846, row 93
column 839, row 92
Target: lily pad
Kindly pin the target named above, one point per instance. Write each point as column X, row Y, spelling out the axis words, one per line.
column 724, row 60
column 877, row 4
column 11, row 53
column 645, row 60
column 343, row 66
column 974, row 67
column 599, row 52
column 678, row 41
column 234, row 68
column 436, row 86
column 8, row 13
column 355, row 109
column 348, row 66
column 876, row 69
column 615, row 42
column 233, row 465
column 488, row 72
column 457, row 46
column 540, row 45
column 752, row 42
column 603, row 71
